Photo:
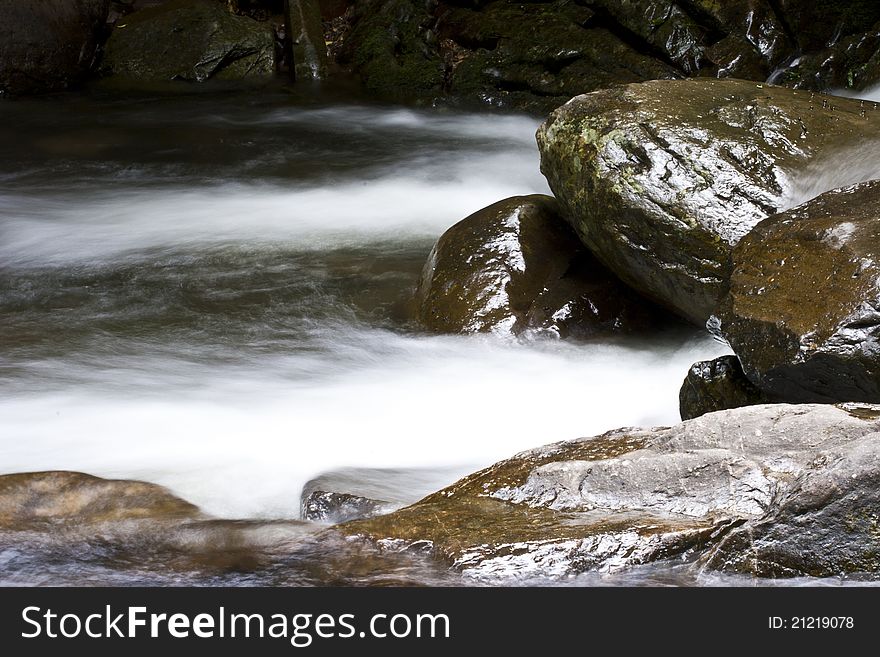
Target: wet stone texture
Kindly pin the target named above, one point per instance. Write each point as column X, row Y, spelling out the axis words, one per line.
column 717, row 385
column 189, row 40
column 516, row 266
column 637, row 495
column 661, row 179
column 803, row 312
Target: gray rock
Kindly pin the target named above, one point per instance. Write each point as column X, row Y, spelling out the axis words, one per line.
column 803, row 311
column 824, row 524
column 637, row 495
column 48, row 45
column 356, row 493
column 662, row 179
column 326, row 506
column 189, row 40
column 516, row 266
column 717, row 385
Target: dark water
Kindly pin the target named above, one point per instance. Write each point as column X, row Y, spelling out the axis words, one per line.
column 210, row 293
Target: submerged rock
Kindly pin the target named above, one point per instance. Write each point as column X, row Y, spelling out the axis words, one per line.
column 327, row 506
column 49, row 45
column 189, row 40
column 637, row 495
column 516, row 266
column 121, row 529
column 717, row 385
column 662, row 179
column 803, row 312
column 355, row 493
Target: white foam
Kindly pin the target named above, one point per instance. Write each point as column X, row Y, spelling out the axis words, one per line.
column 242, row 442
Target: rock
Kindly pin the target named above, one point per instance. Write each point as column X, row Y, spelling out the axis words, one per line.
column 50, row 45
column 60, row 496
column 493, row 56
column 661, row 179
column 639, row 495
column 354, row 493
column 309, row 53
column 717, row 385
column 825, row 525
column 189, row 40
column 118, row 528
column 853, row 63
column 665, row 26
column 326, row 506
column 516, row 266
column 391, row 48
column 816, row 24
column 803, row 312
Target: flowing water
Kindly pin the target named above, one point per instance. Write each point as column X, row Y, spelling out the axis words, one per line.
column 210, row 293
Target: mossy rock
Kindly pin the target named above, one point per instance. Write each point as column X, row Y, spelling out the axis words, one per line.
column 802, row 311
column 191, row 41
column 517, row 266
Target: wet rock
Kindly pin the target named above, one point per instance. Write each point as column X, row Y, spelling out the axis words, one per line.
column 492, row 55
column 516, row 266
column 326, row 506
column 852, row 63
column 717, row 385
column 356, row 493
column 49, row 45
column 116, row 529
column 637, row 495
column 803, row 312
column 391, row 48
column 826, row 524
column 662, row 179
column 309, row 53
column 818, row 24
column 665, row 26
column 189, row 40
column 60, row 496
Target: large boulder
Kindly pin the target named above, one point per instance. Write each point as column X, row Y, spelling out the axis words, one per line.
column 803, row 312
column 661, row 179
column 189, row 40
column 638, row 495
column 48, row 45
column 717, row 385
column 516, row 266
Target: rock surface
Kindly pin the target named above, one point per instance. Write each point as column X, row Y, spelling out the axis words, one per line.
column 536, row 55
column 92, row 524
column 662, row 179
column 53, row 496
column 189, row 40
column 803, row 312
column 331, row 507
column 308, row 51
column 516, row 266
column 717, row 385
column 50, row 45
column 636, row 495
